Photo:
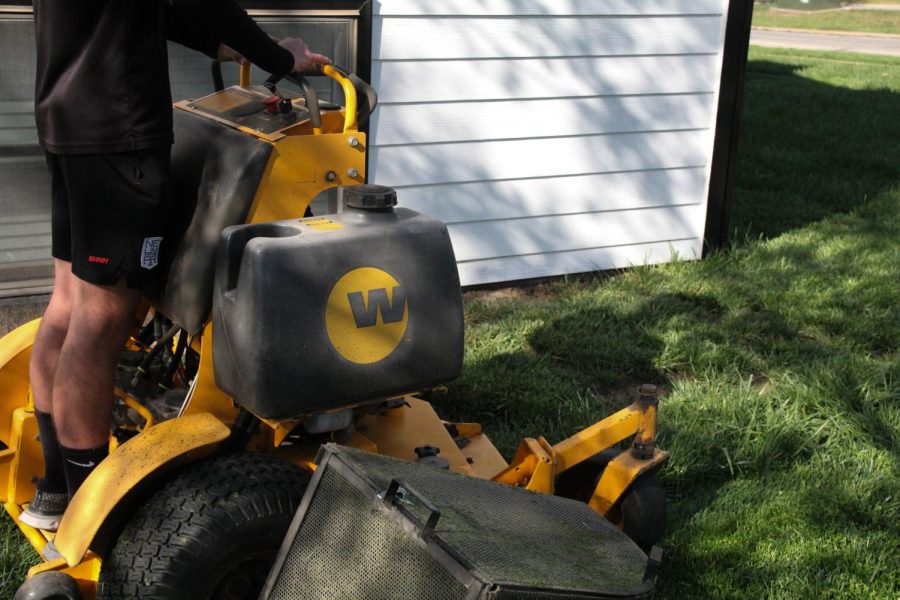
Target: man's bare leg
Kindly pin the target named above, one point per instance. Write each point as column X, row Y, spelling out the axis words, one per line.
column 52, row 494
column 50, row 336
column 101, row 319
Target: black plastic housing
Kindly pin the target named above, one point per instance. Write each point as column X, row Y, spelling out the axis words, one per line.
column 272, row 351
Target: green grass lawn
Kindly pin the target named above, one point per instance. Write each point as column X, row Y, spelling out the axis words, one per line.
column 866, row 21
column 780, row 359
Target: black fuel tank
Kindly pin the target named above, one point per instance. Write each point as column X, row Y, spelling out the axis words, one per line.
column 319, row 313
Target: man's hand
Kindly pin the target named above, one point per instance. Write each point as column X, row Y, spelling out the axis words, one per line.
column 226, row 54
column 303, row 58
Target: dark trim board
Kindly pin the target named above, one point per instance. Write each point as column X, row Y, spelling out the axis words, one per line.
column 731, row 96
column 364, row 43
column 304, row 4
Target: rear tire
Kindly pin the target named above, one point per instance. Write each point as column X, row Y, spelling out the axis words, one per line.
column 210, row 533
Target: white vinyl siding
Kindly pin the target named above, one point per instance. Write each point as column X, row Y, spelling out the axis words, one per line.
column 552, row 136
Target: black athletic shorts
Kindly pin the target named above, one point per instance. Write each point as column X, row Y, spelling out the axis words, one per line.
column 109, row 214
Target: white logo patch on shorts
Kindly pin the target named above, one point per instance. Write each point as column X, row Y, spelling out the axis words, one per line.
column 150, row 252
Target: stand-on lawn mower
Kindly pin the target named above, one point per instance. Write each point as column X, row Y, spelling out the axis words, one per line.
column 277, row 332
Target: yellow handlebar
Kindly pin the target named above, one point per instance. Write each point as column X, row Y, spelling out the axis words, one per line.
column 349, row 97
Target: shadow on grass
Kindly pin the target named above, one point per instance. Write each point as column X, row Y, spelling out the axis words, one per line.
column 575, row 369
column 809, row 149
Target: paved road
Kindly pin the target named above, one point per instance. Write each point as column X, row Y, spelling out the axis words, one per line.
column 872, row 7
column 889, row 46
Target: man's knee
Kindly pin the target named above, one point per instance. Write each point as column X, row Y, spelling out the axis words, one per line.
column 55, row 321
column 102, row 312
column 56, row 316
column 54, row 325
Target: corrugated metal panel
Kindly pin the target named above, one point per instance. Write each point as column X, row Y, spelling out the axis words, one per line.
column 553, row 136
column 24, row 182
column 24, row 217
column 17, row 123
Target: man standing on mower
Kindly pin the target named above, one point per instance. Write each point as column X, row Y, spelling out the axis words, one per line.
column 104, row 114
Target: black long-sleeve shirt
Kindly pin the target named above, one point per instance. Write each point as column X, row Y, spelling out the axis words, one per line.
column 102, row 67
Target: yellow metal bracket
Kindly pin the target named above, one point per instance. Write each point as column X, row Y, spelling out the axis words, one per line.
column 205, row 396
column 536, row 464
column 480, row 453
column 86, row 573
column 302, row 166
column 618, row 476
column 23, row 462
column 135, row 405
column 533, row 467
column 15, row 354
column 171, row 442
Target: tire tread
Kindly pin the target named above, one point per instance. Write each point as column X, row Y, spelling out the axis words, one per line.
column 169, row 532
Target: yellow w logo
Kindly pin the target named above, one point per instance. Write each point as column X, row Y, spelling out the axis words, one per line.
column 366, row 314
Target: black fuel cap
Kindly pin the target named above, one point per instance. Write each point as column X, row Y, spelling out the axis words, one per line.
column 370, row 197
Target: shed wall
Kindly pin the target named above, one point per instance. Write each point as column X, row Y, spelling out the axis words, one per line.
column 553, row 136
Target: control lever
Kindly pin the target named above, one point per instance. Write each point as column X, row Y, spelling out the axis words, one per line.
column 309, row 95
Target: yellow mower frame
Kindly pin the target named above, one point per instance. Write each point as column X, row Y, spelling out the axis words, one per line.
column 304, row 162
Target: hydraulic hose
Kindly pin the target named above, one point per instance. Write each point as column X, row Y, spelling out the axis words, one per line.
column 166, row 381
column 145, row 332
column 155, row 349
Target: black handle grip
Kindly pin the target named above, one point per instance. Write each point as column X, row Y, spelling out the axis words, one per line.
column 312, row 99
column 390, row 499
column 216, row 70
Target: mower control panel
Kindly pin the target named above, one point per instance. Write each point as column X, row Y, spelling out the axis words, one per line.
column 254, row 109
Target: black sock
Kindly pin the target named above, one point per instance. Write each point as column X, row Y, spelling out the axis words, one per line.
column 78, row 464
column 54, row 481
